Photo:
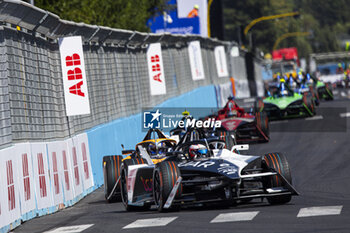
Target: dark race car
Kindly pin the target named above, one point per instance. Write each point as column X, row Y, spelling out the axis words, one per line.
column 204, row 172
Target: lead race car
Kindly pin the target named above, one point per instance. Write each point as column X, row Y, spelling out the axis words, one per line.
column 203, row 171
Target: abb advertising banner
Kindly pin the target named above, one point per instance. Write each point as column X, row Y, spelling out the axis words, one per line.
column 54, row 150
column 76, row 166
column 155, row 69
column 9, row 204
column 41, row 172
column 220, row 59
column 83, row 150
column 196, row 62
column 25, row 177
column 74, row 77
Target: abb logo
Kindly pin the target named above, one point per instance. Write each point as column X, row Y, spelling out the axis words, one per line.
column 75, row 74
column 85, row 161
column 41, row 170
column 10, row 185
column 156, row 68
column 65, row 170
column 55, row 173
column 26, row 180
column 75, row 166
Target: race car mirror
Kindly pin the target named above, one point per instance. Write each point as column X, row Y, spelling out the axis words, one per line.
column 240, row 147
column 234, row 139
column 145, row 155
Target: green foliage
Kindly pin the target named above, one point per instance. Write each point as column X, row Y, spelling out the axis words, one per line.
column 124, row 14
column 325, row 20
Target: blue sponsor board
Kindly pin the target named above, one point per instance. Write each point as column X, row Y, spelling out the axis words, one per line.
column 177, row 26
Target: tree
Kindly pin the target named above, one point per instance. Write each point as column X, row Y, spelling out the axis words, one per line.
column 124, row 14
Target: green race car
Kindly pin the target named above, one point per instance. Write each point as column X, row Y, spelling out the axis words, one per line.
column 283, row 103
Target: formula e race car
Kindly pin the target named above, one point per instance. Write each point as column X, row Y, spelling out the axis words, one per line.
column 203, row 172
column 156, row 144
column 283, row 102
column 246, row 127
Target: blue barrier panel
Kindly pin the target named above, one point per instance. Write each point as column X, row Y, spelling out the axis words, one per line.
column 107, row 139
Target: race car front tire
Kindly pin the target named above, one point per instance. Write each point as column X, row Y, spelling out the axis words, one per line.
column 111, row 174
column 165, row 176
column 123, row 184
column 278, row 163
column 309, row 106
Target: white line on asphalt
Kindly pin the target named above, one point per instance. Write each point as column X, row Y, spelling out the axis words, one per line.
column 314, row 118
column 70, row 229
column 319, row 211
column 346, row 114
column 151, row 222
column 248, row 100
column 235, row 217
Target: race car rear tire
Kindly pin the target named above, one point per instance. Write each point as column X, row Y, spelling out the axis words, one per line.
column 123, row 184
column 111, row 173
column 164, row 178
column 279, row 163
column 263, row 123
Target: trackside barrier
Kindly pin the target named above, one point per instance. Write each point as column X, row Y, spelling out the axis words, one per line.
column 41, row 178
column 49, row 160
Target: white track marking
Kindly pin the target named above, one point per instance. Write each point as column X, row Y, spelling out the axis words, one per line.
column 314, row 118
column 346, row 114
column 319, row 211
column 235, row 217
column 151, row 222
column 249, row 100
column 70, row 229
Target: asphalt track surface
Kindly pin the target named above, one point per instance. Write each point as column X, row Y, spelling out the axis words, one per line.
column 320, row 163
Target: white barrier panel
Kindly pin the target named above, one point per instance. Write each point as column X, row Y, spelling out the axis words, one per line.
column 196, row 61
column 223, row 91
column 76, row 166
column 41, row 173
column 220, row 60
column 56, row 171
column 242, row 89
column 10, row 208
column 155, row 69
column 83, row 146
column 74, row 78
column 25, row 177
column 67, row 172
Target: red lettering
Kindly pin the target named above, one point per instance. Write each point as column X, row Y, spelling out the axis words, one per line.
column 74, row 60
column 157, row 77
column 74, row 74
column 76, row 89
column 155, row 58
column 156, row 68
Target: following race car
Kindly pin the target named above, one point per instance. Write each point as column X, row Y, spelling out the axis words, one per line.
column 246, row 127
column 283, row 103
column 203, row 172
column 156, row 144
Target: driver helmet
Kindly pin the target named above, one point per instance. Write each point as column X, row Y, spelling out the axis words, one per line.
column 232, row 110
column 162, row 148
column 152, row 149
column 198, row 151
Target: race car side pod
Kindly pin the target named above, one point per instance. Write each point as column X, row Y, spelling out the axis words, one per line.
column 113, row 190
column 289, row 186
column 171, row 197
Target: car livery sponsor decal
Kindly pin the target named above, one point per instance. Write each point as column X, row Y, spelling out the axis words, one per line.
column 228, row 169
